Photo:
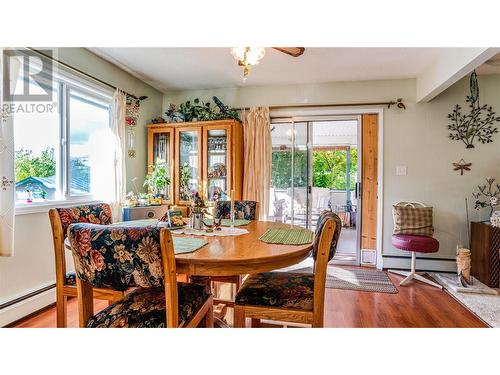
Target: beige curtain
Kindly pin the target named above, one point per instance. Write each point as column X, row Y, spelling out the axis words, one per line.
column 119, row 173
column 7, row 175
column 257, row 165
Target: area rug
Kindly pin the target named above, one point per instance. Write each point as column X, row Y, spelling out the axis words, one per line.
column 361, row 279
column 485, row 306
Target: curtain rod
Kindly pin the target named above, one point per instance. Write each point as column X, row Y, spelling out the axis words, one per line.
column 398, row 103
column 82, row 72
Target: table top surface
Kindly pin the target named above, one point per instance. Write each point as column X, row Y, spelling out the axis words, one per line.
column 226, row 256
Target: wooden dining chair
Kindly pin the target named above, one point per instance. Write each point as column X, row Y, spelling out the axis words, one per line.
column 119, row 258
column 248, row 210
column 290, row 296
column 60, row 220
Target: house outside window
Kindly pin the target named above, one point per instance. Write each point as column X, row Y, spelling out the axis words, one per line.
column 60, row 154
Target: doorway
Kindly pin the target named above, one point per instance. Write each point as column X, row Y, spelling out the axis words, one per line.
column 315, row 167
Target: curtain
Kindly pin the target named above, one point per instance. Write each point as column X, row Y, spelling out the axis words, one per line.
column 119, row 170
column 7, row 157
column 257, row 160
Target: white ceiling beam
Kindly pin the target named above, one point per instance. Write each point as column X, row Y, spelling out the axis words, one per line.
column 451, row 65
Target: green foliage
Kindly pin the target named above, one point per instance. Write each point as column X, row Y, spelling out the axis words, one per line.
column 158, row 179
column 329, row 169
column 198, row 110
column 28, row 165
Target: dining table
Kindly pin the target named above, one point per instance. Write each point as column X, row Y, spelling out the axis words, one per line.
column 236, row 255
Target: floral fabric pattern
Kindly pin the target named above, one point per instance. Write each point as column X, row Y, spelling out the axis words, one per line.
column 145, row 308
column 117, row 257
column 94, row 214
column 243, row 210
column 323, row 217
column 70, row 278
column 279, row 290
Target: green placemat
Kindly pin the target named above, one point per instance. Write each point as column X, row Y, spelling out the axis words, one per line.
column 227, row 222
column 187, row 245
column 288, row 236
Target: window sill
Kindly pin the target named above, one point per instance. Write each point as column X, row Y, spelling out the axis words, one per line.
column 44, row 207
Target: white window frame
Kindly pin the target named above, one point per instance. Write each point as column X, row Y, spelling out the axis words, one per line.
column 67, row 81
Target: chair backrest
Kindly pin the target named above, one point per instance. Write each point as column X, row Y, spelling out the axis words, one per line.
column 119, row 258
column 60, row 220
column 248, row 210
column 325, row 242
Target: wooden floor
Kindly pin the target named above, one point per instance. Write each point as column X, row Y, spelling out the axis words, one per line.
column 417, row 305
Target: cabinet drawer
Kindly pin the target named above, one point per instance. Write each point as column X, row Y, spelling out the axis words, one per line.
column 139, row 213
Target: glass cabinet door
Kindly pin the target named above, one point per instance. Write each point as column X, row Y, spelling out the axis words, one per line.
column 218, row 167
column 189, row 157
column 161, row 153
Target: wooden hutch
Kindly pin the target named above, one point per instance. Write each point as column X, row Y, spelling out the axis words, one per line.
column 202, row 156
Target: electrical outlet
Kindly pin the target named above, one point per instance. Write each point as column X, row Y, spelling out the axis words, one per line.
column 401, row 170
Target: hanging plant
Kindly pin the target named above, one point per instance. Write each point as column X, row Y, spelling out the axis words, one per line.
column 478, row 124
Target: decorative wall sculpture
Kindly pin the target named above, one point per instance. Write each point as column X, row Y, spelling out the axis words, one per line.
column 478, row 124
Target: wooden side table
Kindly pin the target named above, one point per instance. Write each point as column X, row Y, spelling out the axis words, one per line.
column 485, row 249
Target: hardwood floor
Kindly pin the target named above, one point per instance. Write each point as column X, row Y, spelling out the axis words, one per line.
column 415, row 306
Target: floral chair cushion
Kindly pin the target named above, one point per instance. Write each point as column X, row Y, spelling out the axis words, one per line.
column 243, row 210
column 279, row 290
column 117, row 257
column 70, row 278
column 95, row 214
column 145, row 308
column 323, row 217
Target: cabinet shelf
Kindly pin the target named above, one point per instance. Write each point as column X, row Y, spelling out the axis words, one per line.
column 200, row 154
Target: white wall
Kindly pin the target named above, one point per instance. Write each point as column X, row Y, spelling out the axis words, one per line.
column 32, row 266
column 416, row 137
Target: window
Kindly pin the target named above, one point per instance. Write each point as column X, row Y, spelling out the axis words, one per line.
column 61, row 151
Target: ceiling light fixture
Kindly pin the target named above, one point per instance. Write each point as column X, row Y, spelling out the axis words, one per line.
column 247, row 57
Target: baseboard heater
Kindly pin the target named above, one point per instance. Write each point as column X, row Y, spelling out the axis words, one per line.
column 27, row 296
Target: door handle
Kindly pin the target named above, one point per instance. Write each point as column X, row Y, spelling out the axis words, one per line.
column 358, row 190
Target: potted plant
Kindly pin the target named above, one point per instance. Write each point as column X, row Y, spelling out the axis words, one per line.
column 157, row 180
column 143, row 199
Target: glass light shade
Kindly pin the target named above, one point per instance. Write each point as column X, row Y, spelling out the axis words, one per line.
column 248, row 55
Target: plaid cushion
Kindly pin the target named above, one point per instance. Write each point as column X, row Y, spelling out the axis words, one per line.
column 412, row 220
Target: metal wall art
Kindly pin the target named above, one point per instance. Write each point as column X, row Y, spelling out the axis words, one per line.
column 462, row 166
column 478, row 124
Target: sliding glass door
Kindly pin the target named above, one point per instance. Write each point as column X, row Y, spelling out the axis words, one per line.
column 315, row 168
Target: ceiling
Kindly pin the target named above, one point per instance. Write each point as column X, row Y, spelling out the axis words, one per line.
column 492, row 66
column 169, row 69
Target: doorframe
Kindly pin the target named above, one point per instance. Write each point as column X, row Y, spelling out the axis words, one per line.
column 379, row 111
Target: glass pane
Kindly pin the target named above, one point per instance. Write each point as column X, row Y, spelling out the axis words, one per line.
column 36, row 135
column 289, row 201
column 161, row 153
column 334, row 177
column 188, row 163
column 88, row 155
column 217, row 164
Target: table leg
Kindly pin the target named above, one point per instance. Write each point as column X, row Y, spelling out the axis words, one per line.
column 207, row 281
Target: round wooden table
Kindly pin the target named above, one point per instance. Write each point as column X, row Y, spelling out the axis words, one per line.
column 239, row 255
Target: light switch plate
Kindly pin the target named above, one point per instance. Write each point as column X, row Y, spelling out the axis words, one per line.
column 401, row 170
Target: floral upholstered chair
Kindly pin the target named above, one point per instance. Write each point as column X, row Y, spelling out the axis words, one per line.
column 290, row 296
column 120, row 258
column 248, row 210
column 60, row 220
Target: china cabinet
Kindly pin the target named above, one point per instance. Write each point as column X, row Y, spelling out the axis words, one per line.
column 203, row 156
